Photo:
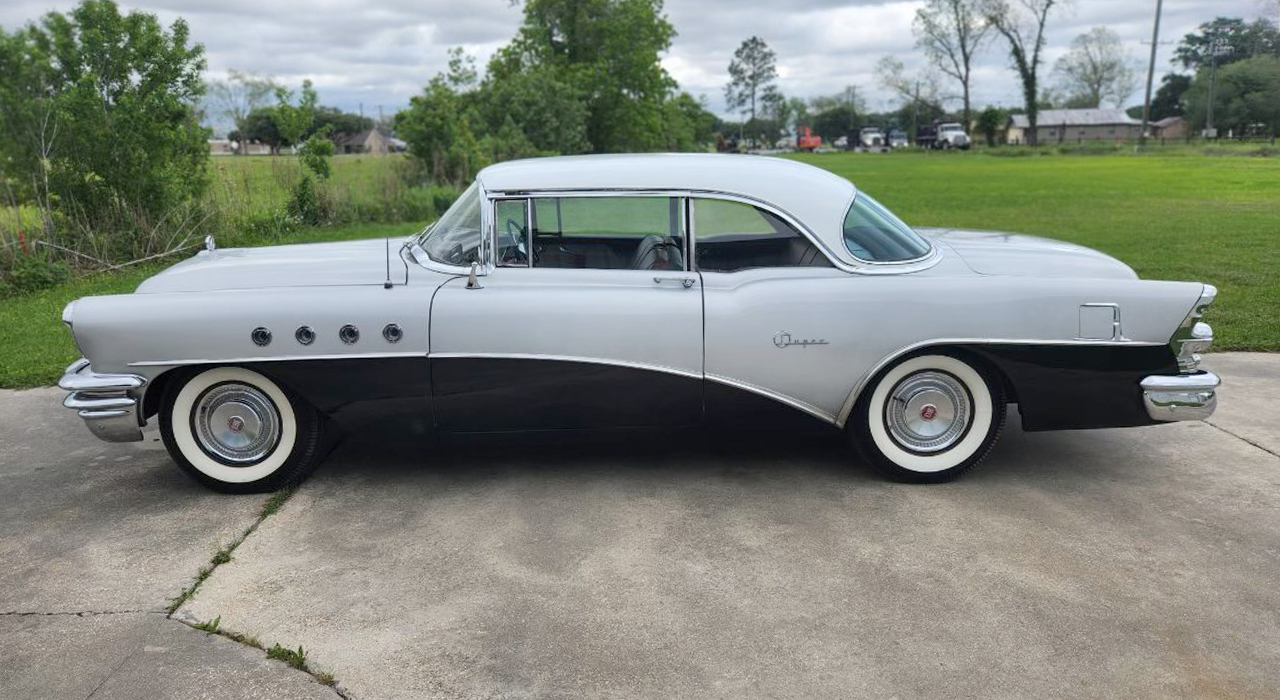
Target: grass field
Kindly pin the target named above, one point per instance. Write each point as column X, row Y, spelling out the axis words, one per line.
column 1179, row 216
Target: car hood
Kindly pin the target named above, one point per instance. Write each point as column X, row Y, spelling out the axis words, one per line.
column 305, row 265
column 1020, row 255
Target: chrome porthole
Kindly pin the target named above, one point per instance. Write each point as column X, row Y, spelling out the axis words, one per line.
column 236, row 424
column 260, row 337
column 349, row 334
column 928, row 412
column 392, row 333
column 304, row 335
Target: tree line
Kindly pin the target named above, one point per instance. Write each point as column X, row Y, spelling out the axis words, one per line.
column 1096, row 71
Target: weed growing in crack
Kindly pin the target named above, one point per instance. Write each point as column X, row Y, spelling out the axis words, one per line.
column 210, row 626
column 296, row 659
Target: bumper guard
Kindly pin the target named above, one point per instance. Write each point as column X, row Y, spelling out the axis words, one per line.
column 108, row 403
column 1180, row 397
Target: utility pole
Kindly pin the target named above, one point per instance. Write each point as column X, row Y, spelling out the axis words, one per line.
column 1151, row 74
column 1216, row 48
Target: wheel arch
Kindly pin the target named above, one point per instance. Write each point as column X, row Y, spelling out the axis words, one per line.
column 966, row 351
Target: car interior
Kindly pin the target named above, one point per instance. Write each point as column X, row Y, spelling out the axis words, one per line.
column 608, row 233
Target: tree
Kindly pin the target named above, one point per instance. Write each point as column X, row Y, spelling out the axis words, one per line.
column 438, row 130
column 951, row 32
column 1022, row 24
column 236, row 97
column 918, row 92
column 608, row 51
column 1246, row 98
column 261, row 126
column 751, row 73
column 97, row 111
column 547, row 109
column 1096, row 70
column 1239, row 40
column 1168, row 98
column 990, row 122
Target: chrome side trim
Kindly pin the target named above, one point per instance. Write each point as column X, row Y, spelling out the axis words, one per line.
column 854, row 393
column 770, row 394
column 1180, row 397
column 106, row 402
column 281, row 358
column 565, row 358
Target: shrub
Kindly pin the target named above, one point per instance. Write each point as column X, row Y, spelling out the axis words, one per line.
column 32, row 274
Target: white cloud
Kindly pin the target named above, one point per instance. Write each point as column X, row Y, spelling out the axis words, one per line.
column 381, row 52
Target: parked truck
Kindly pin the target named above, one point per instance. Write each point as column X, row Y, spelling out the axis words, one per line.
column 943, row 135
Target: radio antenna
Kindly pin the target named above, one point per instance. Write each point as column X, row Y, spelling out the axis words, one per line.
column 387, row 284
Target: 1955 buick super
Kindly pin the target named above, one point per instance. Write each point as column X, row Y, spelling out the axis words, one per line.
column 647, row 291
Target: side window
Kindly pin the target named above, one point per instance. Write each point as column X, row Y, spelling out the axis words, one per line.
column 734, row 236
column 608, row 233
column 511, row 236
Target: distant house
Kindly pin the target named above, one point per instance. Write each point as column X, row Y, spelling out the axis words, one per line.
column 373, row 141
column 1075, row 125
column 1169, row 128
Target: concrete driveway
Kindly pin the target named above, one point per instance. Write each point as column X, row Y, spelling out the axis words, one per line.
column 1114, row 563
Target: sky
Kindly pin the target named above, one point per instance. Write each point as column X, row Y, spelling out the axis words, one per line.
column 375, row 54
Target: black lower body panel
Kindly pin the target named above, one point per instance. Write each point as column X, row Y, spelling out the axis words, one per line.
column 361, row 392
column 495, row 394
column 1064, row 387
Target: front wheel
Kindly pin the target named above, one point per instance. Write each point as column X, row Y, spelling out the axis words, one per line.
column 928, row 418
column 236, row 431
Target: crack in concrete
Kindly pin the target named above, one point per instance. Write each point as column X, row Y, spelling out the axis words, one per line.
column 1269, row 451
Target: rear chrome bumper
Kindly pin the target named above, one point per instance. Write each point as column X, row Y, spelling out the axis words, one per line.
column 1181, row 397
column 108, row 403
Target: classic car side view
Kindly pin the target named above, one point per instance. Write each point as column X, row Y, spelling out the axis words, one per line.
column 645, row 291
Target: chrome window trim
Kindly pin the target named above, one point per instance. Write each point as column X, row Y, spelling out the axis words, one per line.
column 932, row 248
column 493, row 231
column 529, row 196
column 866, row 268
column 427, row 263
column 847, row 408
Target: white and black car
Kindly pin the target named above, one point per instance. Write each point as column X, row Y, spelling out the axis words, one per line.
column 647, row 291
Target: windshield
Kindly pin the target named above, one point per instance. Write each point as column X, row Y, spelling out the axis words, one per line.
column 950, row 127
column 874, row 234
column 455, row 238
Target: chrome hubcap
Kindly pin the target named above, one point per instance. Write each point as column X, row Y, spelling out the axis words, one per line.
column 928, row 411
column 236, row 423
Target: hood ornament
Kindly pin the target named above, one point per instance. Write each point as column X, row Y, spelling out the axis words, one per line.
column 209, row 244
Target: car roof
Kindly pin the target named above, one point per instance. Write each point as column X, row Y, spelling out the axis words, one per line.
column 816, row 198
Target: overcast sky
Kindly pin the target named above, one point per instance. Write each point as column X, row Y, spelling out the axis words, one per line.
column 380, row 52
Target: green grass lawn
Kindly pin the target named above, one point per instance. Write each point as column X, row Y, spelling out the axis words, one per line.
column 1178, row 216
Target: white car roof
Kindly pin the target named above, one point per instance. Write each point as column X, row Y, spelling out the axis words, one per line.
column 816, row 198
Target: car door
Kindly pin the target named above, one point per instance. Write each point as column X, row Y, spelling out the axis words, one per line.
column 590, row 318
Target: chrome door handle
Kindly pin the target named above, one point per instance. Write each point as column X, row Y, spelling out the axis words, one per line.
column 686, row 282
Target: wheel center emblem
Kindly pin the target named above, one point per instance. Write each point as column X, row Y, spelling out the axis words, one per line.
column 236, row 424
column 929, row 412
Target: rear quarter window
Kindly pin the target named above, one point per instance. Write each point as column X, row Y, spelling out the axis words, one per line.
column 873, row 234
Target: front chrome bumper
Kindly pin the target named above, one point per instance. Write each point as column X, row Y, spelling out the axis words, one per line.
column 108, row 403
column 1180, row 397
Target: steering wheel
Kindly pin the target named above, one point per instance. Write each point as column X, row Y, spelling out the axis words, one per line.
column 513, row 251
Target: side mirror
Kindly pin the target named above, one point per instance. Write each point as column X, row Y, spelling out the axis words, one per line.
column 473, row 281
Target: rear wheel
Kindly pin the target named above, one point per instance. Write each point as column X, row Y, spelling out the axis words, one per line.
column 928, row 418
column 236, row 431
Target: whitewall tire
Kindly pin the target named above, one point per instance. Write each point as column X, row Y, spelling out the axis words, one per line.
column 237, row 431
column 928, row 418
